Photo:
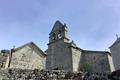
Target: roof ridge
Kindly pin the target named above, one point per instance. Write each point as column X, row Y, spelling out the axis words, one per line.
column 56, row 26
column 29, row 44
column 116, row 42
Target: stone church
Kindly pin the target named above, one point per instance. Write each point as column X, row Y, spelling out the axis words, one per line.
column 65, row 55
column 115, row 51
column 60, row 55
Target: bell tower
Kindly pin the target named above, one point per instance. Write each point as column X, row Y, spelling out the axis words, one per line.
column 58, row 49
column 59, row 32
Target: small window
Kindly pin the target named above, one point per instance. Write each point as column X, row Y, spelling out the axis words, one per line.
column 53, row 37
column 59, row 35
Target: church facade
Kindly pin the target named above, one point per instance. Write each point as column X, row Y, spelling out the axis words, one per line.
column 65, row 55
column 115, row 51
column 60, row 55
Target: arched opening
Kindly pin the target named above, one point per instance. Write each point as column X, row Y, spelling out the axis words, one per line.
column 53, row 36
column 59, row 35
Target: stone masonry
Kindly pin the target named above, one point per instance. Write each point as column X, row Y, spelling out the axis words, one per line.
column 61, row 55
column 65, row 55
column 115, row 50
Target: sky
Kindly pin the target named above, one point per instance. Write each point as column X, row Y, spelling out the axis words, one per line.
column 92, row 24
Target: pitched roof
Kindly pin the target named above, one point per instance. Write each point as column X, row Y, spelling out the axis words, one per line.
column 74, row 46
column 91, row 51
column 33, row 45
column 56, row 26
column 115, row 43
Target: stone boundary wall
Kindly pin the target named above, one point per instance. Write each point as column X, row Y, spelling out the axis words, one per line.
column 36, row 74
column 20, row 74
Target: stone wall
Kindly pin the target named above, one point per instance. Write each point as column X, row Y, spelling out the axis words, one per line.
column 27, row 58
column 115, row 50
column 59, row 56
column 20, row 74
column 36, row 74
column 110, row 59
column 92, row 61
column 76, row 55
column 3, row 59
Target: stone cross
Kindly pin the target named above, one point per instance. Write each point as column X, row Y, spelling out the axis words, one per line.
column 117, row 36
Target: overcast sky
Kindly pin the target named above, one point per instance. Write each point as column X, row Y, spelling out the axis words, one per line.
column 92, row 24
